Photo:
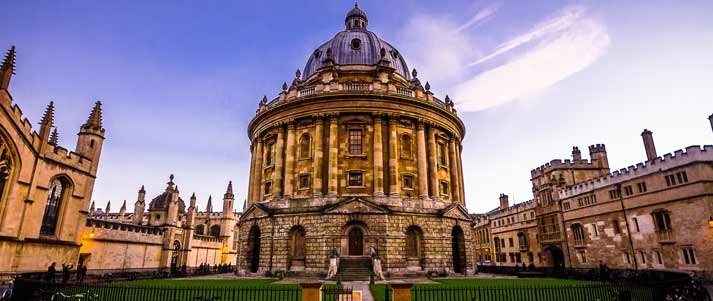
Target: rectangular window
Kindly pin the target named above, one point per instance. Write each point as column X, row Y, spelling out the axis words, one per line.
column 355, row 179
column 511, row 242
column 688, row 256
column 659, row 260
column 268, row 188
column 596, row 231
column 442, row 158
column 614, row 194
column 355, row 142
column 642, row 256
column 642, row 187
column 444, row 187
column 636, row 224
column 407, row 182
column 582, row 255
column 670, row 180
column 565, row 205
column 270, row 160
column 627, row 258
column 615, row 226
column 628, row 190
column 518, row 257
column 304, row 181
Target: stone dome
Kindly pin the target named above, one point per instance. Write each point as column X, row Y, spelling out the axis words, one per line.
column 356, row 46
column 160, row 203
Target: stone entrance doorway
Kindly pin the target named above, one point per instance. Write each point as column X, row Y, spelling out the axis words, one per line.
column 458, row 250
column 555, row 256
column 254, row 249
column 356, row 242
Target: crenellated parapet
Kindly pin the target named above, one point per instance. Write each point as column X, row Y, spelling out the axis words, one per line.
column 676, row 159
column 598, row 160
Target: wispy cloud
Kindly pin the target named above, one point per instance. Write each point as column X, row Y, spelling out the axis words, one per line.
column 480, row 16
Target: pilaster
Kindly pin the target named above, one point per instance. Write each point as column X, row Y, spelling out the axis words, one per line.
column 378, row 157
column 394, row 188
column 318, row 156
column 333, row 154
column 279, row 161
column 290, row 157
column 454, row 171
column 422, row 163
column 432, row 162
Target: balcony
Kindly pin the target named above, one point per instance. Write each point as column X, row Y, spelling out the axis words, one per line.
column 665, row 236
column 549, row 237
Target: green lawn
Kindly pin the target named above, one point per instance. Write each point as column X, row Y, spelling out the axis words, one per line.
column 515, row 289
column 180, row 290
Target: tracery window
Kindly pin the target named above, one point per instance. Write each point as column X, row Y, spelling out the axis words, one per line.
column 406, row 147
column 355, row 142
column 54, row 202
column 578, row 233
column 200, row 230
column 5, row 166
column 215, row 231
column 305, row 147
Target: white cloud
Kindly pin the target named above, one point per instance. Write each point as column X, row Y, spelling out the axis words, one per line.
column 568, row 43
column 482, row 15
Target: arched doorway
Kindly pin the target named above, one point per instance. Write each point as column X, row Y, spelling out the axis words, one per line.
column 458, row 250
column 297, row 247
column 555, row 257
column 253, row 255
column 356, row 242
column 174, row 255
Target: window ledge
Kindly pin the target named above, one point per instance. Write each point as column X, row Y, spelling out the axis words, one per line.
column 362, row 156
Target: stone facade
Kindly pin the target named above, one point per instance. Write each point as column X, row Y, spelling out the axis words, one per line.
column 167, row 235
column 514, row 233
column 44, row 188
column 356, row 154
column 657, row 214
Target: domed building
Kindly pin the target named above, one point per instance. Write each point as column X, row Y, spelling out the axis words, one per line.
column 356, row 157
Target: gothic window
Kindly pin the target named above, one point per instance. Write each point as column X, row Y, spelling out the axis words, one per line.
column 305, row 147
column 215, row 231
column 304, row 181
column 297, row 242
column 413, row 242
column 578, row 233
column 662, row 220
column 5, row 165
column 200, row 230
column 54, row 202
column 270, row 154
column 441, row 151
column 406, row 147
column 355, row 142
column 355, row 179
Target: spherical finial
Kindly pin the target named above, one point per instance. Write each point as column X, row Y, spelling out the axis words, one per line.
column 170, row 177
column 284, row 86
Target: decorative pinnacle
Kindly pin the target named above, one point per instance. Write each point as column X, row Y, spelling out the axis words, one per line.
column 414, row 73
column 428, row 86
column 193, row 196
column 229, row 192
column 284, row 86
column 54, row 137
column 123, row 206
column 9, row 62
column 209, row 206
column 48, row 117
column 142, row 189
column 95, row 118
column 298, row 73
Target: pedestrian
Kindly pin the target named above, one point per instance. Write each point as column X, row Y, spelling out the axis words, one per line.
column 81, row 273
column 603, row 271
column 51, row 270
column 66, row 272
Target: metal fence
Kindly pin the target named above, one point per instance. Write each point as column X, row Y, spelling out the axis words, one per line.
column 37, row 291
column 601, row 292
column 336, row 293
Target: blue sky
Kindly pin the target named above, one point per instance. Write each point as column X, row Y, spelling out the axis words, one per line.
column 180, row 80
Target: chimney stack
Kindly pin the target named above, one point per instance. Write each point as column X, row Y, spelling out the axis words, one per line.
column 504, row 201
column 576, row 154
column 649, row 145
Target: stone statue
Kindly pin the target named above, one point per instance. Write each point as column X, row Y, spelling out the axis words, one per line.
column 333, row 266
column 377, row 269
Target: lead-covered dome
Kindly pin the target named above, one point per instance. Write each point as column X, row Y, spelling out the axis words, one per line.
column 356, row 46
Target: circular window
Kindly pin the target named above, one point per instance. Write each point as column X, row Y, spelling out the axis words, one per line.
column 356, row 43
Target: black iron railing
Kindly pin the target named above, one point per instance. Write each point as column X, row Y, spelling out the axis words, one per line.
column 25, row 290
column 601, row 292
column 336, row 293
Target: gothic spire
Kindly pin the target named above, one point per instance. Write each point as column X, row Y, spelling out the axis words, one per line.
column 108, row 206
column 209, row 207
column 123, row 206
column 9, row 61
column 229, row 192
column 91, row 209
column 142, row 189
column 48, row 117
column 54, row 137
column 95, row 118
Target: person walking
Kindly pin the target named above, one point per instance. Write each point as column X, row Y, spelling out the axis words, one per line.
column 51, row 270
column 66, row 272
column 81, row 273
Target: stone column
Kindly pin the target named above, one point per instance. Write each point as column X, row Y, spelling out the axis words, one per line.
column 290, row 159
column 394, row 189
column 279, row 162
column 378, row 157
column 422, row 163
column 432, row 162
column 257, row 171
column 454, row 171
column 318, row 156
column 333, row 155
column 459, row 151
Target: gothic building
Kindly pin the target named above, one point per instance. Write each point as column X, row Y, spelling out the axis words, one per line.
column 356, row 154
column 166, row 234
column 45, row 189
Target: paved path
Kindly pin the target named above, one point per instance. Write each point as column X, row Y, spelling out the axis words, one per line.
column 362, row 286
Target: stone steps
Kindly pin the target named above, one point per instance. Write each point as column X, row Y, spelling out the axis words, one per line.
column 354, row 268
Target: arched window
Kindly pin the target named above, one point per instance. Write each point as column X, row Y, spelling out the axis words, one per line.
column 413, row 242
column 305, row 147
column 406, row 149
column 5, row 167
column 54, row 202
column 297, row 243
column 215, row 231
column 200, row 230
